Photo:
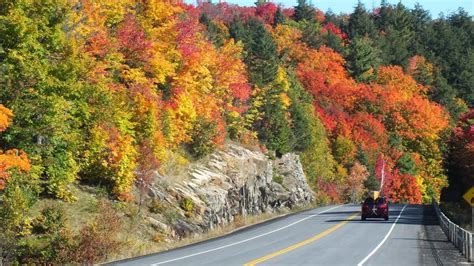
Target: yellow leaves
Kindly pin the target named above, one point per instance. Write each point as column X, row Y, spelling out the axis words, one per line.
column 95, row 15
column 161, row 67
column 182, row 119
column 282, row 80
column 226, row 65
column 222, row 27
column 115, row 10
column 287, row 37
column 160, row 11
column 113, row 154
column 234, row 114
column 286, row 101
column 133, row 75
column 198, row 79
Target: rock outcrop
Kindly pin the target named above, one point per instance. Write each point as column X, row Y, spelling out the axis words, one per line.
column 230, row 183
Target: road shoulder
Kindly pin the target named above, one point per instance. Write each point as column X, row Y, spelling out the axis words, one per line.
column 435, row 244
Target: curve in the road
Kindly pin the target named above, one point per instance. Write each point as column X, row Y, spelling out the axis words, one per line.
column 300, row 244
column 384, row 239
column 322, row 236
column 245, row 240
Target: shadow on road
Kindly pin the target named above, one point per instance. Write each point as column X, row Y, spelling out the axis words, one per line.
column 413, row 214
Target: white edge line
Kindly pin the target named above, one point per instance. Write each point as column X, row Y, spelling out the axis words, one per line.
column 245, row 240
column 383, row 241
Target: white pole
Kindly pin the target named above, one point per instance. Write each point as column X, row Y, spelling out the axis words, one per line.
column 383, row 174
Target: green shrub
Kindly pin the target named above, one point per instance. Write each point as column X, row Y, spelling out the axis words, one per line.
column 156, row 206
column 50, row 221
column 171, row 215
column 278, row 179
column 202, row 138
column 187, row 204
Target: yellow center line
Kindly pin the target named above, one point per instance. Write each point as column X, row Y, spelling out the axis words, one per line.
column 300, row 244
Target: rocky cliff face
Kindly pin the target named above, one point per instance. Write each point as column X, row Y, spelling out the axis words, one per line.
column 229, row 183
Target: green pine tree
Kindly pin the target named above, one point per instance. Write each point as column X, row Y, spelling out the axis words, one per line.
column 279, row 18
column 216, row 35
column 398, row 35
column 361, row 23
column 304, row 11
column 262, row 58
column 363, row 59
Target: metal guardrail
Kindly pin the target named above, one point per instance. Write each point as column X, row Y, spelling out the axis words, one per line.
column 460, row 237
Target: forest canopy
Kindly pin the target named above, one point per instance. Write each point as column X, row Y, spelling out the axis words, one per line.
column 104, row 92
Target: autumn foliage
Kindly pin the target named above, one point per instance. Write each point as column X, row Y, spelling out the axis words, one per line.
column 109, row 90
column 112, row 93
column 11, row 158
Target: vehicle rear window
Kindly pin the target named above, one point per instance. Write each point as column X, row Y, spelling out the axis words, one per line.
column 369, row 201
column 381, row 201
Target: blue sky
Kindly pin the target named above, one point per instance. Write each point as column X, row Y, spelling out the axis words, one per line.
column 346, row 6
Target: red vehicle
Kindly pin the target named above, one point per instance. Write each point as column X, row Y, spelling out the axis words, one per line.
column 374, row 208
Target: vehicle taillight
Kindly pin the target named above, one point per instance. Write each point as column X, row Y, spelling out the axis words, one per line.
column 383, row 205
column 365, row 206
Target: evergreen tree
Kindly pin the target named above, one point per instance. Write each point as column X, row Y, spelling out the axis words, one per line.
column 421, row 29
column 279, row 18
column 444, row 94
column 330, row 17
column 275, row 131
column 397, row 38
column 382, row 20
column 361, row 23
column 304, row 11
column 301, row 114
column 311, row 33
column 335, row 42
column 450, row 46
column 214, row 33
column 261, row 59
column 363, row 59
column 274, row 127
column 238, row 31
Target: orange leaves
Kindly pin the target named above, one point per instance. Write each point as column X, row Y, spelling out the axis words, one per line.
column 367, row 116
column 323, row 74
column 403, row 188
column 404, row 103
column 11, row 158
column 395, row 80
column 425, row 118
column 287, row 39
column 5, row 117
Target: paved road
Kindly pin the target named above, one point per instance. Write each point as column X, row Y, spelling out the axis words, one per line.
column 323, row 236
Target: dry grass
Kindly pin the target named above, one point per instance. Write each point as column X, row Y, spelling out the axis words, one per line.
column 138, row 236
column 139, row 247
column 177, row 166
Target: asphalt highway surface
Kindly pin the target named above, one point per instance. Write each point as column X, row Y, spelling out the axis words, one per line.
column 333, row 235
